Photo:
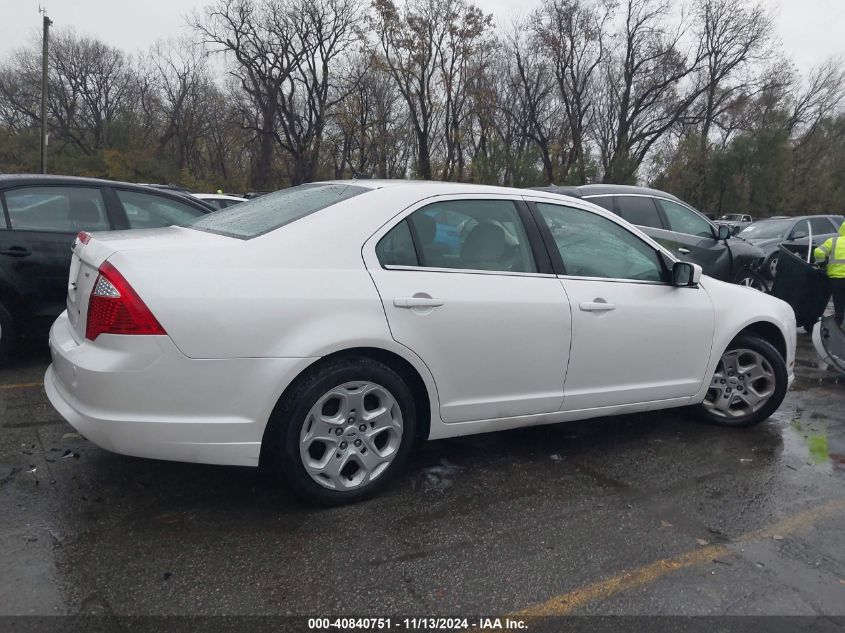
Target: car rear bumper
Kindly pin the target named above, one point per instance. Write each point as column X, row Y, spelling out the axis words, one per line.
column 140, row 396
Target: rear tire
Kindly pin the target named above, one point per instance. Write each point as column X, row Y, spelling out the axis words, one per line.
column 8, row 334
column 748, row 385
column 343, row 431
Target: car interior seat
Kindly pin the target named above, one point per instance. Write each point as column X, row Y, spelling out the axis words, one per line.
column 485, row 247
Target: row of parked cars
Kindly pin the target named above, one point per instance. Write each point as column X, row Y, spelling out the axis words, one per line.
column 43, row 214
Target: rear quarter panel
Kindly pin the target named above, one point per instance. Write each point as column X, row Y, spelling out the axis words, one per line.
column 299, row 291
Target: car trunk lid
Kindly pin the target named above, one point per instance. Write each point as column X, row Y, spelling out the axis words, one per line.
column 90, row 251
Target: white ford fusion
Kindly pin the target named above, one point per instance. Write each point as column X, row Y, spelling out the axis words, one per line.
column 326, row 328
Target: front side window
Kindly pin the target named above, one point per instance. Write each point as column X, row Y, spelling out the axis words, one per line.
column 802, row 227
column 593, row 246
column 149, row 211
column 684, row 220
column 460, row 234
column 56, row 209
column 639, row 210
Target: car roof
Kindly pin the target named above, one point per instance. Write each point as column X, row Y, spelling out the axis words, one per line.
column 217, row 196
column 584, row 191
column 784, row 218
column 10, row 180
column 440, row 187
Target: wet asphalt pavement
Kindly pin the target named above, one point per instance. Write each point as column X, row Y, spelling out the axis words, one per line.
column 644, row 514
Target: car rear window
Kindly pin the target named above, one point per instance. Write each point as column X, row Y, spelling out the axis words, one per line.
column 267, row 213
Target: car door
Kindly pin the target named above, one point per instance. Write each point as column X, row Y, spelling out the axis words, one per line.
column 694, row 239
column 35, row 248
column 466, row 285
column 635, row 337
column 798, row 238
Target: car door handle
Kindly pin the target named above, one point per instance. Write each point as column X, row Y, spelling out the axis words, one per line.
column 597, row 306
column 16, row 251
column 417, row 302
column 683, row 251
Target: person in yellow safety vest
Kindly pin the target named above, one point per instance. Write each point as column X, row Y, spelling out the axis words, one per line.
column 833, row 251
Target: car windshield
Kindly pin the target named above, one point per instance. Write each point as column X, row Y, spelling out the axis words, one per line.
column 267, row 213
column 733, row 217
column 766, row 230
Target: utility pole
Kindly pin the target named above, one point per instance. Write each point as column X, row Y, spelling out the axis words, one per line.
column 44, row 70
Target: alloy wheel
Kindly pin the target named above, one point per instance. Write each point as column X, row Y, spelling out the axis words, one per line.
column 752, row 281
column 351, row 435
column 743, row 383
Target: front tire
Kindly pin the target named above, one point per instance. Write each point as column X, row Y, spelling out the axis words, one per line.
column 751, row 279
column 748, row 385
column 343, row 431
column 772, row 266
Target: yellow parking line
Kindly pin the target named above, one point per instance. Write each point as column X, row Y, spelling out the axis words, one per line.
column 23, row 385
column 566, row 602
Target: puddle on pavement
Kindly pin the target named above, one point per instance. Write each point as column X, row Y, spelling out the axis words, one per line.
column 816, row 439
column 437, row 478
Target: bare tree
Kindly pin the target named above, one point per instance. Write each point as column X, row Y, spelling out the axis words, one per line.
column 735, row 35
column 186, row 95
column 466, row 39
column 325, row 31
column 370, row 124
column 533, row 104
column 409, row 43
column 642, row 93
column 820, row 97
column 266, row 52
column 574, row 32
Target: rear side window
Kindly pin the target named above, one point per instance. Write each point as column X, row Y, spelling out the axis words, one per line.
column 56, row 209
column 462, row 235
column 821, row 226
column 397, row 247
column 605, row 202
column 148, row 211
column 272, row 211
column 639, row 210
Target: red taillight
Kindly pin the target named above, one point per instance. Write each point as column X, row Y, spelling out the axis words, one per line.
column 115, row 308
column 83, row 237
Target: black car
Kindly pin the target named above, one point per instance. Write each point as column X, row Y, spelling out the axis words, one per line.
column 678, row 227
column 41, row 217
column 791, row 232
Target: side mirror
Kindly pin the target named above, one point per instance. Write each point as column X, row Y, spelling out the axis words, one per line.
column 798, row 235
column 724, row 232
column 685, row 274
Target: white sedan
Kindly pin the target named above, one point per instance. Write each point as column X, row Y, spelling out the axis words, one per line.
column 326, row 328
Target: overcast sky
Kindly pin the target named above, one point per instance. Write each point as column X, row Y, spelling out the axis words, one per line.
column 811, row 30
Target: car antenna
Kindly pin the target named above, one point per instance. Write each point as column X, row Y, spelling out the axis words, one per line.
column 356, row 175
